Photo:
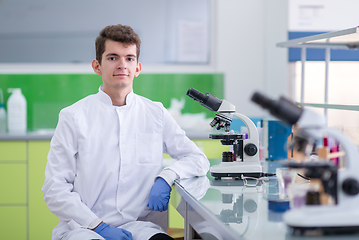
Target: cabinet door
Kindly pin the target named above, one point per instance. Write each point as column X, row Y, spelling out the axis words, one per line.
column 13, row 222
column 13, row 200
column 11, row 151
column 13, row 184
column 13, row 172
column 41, row 220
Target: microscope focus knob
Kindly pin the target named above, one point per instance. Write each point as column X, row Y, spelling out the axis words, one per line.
column 250, row 205
column 250, row 149
column 350, row 186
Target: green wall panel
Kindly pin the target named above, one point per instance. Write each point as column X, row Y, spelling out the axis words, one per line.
column 164, row 87
column 47, row 94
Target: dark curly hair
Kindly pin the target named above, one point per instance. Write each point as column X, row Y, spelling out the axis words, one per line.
column 118, row 33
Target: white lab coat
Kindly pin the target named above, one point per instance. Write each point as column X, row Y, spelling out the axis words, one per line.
column 104, row 159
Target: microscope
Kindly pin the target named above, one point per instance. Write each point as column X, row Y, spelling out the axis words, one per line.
column 243, row 157
column 332, row 204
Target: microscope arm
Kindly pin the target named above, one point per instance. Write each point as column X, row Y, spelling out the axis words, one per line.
column 312, row 123
column 251, row 145
column 252, row 129
column 351, row 152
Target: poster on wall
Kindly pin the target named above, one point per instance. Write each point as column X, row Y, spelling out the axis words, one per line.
column 322, row 15
column 192, row 42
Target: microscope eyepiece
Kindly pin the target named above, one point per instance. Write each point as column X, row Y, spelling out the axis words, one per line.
column 196, row 95
column 206, row 100
column 283, row 109
column 263, row 101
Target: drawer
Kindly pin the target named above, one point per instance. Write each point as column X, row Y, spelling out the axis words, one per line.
column 13, row 151
column 13, row 184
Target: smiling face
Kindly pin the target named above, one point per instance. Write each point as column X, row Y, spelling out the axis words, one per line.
column 118, row 67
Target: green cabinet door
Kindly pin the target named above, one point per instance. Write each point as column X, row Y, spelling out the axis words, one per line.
column 13, row 198
column 12, row 151
column 13, row 184
column 13, row 222
column 41, row 220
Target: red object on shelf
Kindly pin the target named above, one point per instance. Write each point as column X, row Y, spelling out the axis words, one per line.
column 325, row 141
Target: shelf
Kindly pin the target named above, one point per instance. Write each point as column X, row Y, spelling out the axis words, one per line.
column 330, row 106
column 343, row 39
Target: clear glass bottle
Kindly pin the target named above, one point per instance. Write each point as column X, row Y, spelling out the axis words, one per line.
column 3, row 117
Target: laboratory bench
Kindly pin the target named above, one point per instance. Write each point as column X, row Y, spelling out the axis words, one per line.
column 227, row 209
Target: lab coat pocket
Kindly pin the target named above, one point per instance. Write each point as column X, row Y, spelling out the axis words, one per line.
column 149, row 148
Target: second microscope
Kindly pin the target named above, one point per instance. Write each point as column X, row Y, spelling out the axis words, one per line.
column 243, row 158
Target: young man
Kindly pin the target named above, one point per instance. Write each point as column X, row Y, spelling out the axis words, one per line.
column 104, row 176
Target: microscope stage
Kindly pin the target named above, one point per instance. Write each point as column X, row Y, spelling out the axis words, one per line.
column 236, row 169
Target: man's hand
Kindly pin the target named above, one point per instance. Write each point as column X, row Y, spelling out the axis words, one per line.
column 159, row 195
column 111, row 233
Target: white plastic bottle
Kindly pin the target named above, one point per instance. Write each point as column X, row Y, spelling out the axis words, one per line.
column 3, row 118
column 16, row 112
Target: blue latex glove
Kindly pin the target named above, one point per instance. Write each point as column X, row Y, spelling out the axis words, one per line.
column 111, row 233
column 159, row 195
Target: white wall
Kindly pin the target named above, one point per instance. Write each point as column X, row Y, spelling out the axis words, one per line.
column 42, row 31
column 246, row 33
column 244, row 47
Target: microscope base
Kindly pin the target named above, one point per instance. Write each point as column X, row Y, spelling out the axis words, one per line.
column 236, row 175
column 237, row 169
column 322, row 220
column 305, row 231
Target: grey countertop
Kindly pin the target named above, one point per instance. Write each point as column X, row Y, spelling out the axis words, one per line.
column 46, row 134
column 35, row 135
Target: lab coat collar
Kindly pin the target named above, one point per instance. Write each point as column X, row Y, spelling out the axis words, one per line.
column 107, row 100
